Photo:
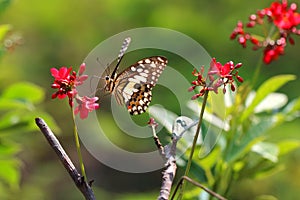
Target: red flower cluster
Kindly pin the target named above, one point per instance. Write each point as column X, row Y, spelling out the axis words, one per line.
column 284, row 18
column 218, row 75
column 66, row 81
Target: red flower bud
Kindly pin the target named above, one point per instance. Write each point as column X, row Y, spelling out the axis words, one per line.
column 238, row 65
column 232, row 87
column 240, row 79
column 191, row 88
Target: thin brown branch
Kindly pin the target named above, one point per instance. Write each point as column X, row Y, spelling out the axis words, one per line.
column 169, row 154
column 157, row 142
column 79, row 181
column 198, row 185
column 167, row 179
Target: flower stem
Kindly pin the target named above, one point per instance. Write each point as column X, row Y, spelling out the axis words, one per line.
column 188, row 166
column 259, row 64
column 77, row 142
column 257, row 72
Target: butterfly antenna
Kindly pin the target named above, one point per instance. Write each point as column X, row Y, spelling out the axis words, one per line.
column 91, row 79
column 107, row 71
column 101, row 89
column 121, row 54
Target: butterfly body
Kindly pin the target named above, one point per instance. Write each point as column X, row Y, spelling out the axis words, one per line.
column 133, row 86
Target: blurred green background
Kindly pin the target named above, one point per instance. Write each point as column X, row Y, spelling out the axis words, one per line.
column 61, row 33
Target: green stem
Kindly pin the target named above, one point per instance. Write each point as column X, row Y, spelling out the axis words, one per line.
column 271, row 34
column 187, row 170
column 77, row 142
column 257, row 71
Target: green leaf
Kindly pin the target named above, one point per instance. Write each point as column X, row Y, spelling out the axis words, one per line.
column 198, row 172
column 14, row 120
column 252, row 136
column 8, row 120
column 254, row 166
column 3, row 5
column 267, row 150
column 24, row 91
column 23, row 121
column 287, row 146
column 210, row 160
column 9, row 172
column 269, row 171
column 269, row 86
column 4, row 28
column 273, row 101
column 292, row 109
column 8, row 149
column 192, row 192
column 8, row 104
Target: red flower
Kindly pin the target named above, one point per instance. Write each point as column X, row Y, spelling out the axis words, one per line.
column 199, row 82
column 272, row 53
column 81, row 78
column 62, row 74
column 218, row 75
column 285, row 18
column 86, row 105
column 66, row 81
column 242, row 36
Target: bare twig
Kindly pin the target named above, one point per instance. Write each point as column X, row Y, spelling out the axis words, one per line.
column 168, row 152
column 79, row 181
column 198, row 185
column 157, row 141
column 167, row 179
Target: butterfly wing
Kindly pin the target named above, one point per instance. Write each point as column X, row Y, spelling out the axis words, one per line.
column 134, row 85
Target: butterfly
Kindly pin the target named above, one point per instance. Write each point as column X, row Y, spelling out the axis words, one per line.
column 133, row 86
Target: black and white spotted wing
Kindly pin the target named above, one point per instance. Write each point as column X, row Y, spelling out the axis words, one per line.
column 133, row 86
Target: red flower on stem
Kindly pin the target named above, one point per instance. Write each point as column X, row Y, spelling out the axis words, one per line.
column 81, row 78
column 272, row 52
column 66, row 80
column 86, row 105
column 218, row 75
column 284, row 18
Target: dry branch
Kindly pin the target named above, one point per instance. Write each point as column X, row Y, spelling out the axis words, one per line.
column 79, row 181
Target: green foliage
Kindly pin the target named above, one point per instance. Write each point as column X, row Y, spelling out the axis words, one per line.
column 18, row 108
column 244, row 150
column 4, row 4
column 269, row 86
column 4, row 30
